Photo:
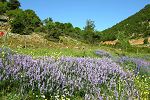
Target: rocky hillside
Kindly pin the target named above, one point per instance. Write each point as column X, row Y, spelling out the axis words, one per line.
column 4, row 25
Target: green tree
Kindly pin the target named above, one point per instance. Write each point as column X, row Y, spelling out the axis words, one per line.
column 52, row 29
column 107, row 36
column 32, row 20
column 146, row 41
column 123, row 41
column 13, row 4
column 3, row 7
column 24, row 22
column 89, row 32
column 14, row 13
column 68, row 29
column 47, row 21
column 77, row 33
column 48, row 24
column 3, row 0
column 89, row 26
column 17, row 24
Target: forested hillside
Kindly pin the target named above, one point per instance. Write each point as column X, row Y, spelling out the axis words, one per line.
column 25, row 22
column 137, row 25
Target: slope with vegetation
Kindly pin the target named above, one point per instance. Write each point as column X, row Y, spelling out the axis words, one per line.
column 25, row 22
column 135, row 26
column 52, row 60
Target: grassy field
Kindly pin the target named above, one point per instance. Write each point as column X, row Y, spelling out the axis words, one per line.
column 75, row 50
column 36, row 45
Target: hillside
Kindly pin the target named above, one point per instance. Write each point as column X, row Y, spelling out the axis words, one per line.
column 135, row 26
column 50, row 60
column 26, row 22
column 4, row 25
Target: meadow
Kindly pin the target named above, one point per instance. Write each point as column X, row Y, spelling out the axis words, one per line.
column 71, row 70
column 92, row 73
column 45, row 59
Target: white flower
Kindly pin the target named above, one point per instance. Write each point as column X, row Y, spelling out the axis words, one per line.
column 43, row 96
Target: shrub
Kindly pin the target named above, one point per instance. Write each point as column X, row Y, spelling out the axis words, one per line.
column 146, row 41
column 3, row 7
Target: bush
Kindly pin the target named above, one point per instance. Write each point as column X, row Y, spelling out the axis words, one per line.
column 3, row 7
column 23, row 22
column 102, row 53
column 107, row 37
column 146, row 41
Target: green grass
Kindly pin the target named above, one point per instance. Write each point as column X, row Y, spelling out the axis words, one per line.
column 36, row 46
column 72, row 48
column 86, row 51
column 56, row 52
column 141, row 82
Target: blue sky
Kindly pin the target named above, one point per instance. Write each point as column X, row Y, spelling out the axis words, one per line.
column 105, row 13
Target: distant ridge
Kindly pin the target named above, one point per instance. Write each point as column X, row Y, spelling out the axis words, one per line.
column 135, row 26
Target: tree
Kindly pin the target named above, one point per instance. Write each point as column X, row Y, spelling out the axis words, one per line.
column 17, row 24
column 89, row 32
column 24, row 22
column 32, row 19
column 3, row 7
column 146, row 41
column 13, row 4
column 107, row 36
column 14, row 13
column 89, row 26
column 68, row 25
column 3, row 0
column 123, row 41
column 47, row 21
column 48, row 24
